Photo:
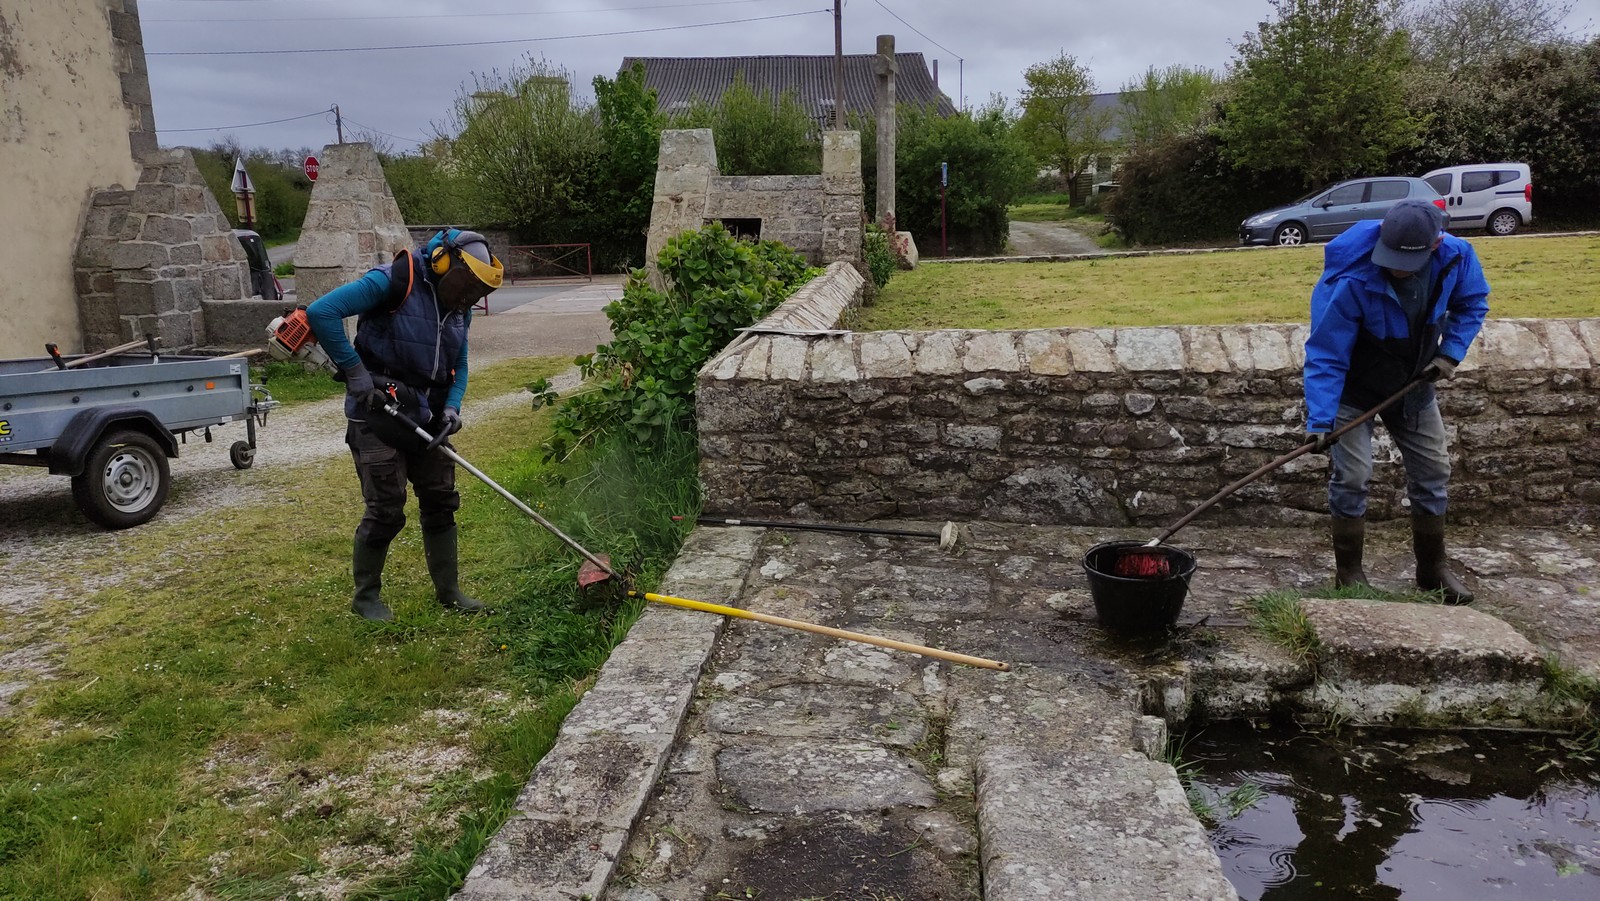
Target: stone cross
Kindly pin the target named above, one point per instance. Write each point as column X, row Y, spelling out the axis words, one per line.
column 884, row 66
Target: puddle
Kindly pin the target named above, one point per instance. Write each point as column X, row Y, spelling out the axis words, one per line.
column 1387, row 814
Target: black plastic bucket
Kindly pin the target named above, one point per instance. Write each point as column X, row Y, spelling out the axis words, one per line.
column 1137, row 606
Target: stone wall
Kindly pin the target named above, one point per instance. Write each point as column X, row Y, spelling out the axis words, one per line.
column 150, row 257
column 817, row 215
column 1111, row 427
column 352, row 223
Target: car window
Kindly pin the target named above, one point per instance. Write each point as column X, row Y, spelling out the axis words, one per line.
column 1441, row 182
column 1388, row 190
column 1483, row 181
column 1345, row 195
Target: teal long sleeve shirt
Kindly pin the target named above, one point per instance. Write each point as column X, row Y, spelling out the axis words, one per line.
column 326, row 317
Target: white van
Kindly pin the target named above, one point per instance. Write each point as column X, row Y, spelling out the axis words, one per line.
column 1497, row 197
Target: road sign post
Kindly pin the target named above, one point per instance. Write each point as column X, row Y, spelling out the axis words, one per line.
column 311, row 167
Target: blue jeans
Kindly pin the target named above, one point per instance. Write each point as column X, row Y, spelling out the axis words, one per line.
column 1420, row 437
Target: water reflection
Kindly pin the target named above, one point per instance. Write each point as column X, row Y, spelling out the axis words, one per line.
column 1385, row 815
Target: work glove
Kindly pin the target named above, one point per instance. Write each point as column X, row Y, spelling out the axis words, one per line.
column 358, row 384
column 1442, row 367
column 449, row 423
column 1320, row 441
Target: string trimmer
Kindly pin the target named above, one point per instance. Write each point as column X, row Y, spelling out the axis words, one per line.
column 597, row 568
column 1149, row 562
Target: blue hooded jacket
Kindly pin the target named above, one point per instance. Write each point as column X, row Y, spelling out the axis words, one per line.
column 1361, row 348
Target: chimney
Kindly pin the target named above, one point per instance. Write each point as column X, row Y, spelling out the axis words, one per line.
column 936, row 73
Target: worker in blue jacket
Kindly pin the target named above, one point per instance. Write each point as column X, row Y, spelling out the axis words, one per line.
column 1397, row 300
column 410, row 349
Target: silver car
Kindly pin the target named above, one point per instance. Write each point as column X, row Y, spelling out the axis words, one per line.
column 1326, row 212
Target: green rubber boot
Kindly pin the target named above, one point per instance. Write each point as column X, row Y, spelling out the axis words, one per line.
column 1433, row 569
column 440, row 548
column 1349, row 541
column 366, row 563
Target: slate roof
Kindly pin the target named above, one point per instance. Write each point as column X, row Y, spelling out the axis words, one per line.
column 679, row 80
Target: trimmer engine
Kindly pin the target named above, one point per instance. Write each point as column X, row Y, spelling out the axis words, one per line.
column 289, row 338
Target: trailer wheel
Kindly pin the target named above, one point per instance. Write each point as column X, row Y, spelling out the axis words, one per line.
column 125, row 480
column 242, row 454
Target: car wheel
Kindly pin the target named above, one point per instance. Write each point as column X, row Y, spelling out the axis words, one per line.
column 1289, row 234
column 1504, row 222
column 124, row 481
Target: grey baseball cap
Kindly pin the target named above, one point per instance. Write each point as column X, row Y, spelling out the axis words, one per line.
column 1405, row 240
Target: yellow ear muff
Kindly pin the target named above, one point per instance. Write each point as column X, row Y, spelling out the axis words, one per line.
column 439, row 260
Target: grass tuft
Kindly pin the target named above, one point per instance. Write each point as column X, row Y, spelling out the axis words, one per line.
column 1279, row 616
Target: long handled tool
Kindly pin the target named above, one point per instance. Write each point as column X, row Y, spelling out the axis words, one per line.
column 1145, row 562
column 149, row 342
column 603, row 566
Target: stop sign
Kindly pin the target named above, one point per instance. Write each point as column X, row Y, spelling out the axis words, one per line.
column 311, row 168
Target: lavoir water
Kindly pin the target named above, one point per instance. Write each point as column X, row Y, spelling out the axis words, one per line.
column 1400, row 815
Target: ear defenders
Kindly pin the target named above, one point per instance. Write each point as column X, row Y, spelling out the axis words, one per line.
column 445, row 252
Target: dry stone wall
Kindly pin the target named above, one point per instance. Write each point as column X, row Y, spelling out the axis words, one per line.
column 1130, row 426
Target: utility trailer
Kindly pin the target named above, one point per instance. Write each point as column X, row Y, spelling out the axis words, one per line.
column 111, row 420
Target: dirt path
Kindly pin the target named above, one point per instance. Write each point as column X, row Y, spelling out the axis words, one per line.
column 1047, row 239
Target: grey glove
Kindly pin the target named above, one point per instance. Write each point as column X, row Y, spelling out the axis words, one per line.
column 358, row 384
column 450, row 421
column 1441, row 367
column 1320, row 441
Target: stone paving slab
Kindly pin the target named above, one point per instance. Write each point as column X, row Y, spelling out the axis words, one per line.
column 804, row 767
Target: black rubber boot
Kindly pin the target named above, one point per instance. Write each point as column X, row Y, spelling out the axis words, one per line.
column 1433, row 570
column 367, row 565
column 1349, row 538
column 440, row 548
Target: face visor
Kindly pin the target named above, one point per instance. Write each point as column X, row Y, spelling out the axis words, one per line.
column 473, row 272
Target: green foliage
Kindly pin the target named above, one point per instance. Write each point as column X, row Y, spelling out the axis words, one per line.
column 282, row 190
column 990, row 167
column 527, row 152
column 1483, row 115
column 757, row 133
column 427, row 191
column 878, row 251
column 1321, row 89
column 1279, row 616
column 1059, row 122
column 1164, row 103
column 630, row 137
column 1461, row 36
column 642, row 383
column 1184, row 190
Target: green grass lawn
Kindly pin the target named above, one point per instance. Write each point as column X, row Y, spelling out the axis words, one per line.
column 222, row 721
column 1529, row 277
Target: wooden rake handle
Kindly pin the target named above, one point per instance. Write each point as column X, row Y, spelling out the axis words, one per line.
column 1276, row 462
column 829, row 631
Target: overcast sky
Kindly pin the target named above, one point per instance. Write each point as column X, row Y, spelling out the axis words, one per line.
column 982, row 47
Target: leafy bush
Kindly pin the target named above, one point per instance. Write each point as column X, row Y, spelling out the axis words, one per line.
column 1183, row 190
column 989, row 168
column 282, row 190
column 878, row 250
column 642, row 383
column 757, row 133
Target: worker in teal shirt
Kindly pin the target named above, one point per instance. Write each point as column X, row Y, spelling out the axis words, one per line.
column 410, row 350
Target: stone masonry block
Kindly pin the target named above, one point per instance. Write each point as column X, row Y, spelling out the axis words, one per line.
column 139, row 255
column 1149, row 350
column 1511, row 345
column 1090, row 351
column 166, row 230
column 991, row 352
column 1046, row 352
column 143, row 298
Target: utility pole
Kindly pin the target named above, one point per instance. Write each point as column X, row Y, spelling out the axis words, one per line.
column 338, row 122
column 838, row 65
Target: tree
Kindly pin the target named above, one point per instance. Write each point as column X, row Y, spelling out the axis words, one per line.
column 1059, row 121
column 630, row 136
column 1457, row 35
column 527, row 151
column 758, row 133
column 1166, row 102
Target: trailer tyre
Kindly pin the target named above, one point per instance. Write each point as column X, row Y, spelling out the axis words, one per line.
column 242, row 455
column 125, row 480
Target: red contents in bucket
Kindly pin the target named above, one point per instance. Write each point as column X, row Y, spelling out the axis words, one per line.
column 1142, row 564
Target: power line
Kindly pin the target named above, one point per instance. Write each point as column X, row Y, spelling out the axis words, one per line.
column 914, row 28
column 384, row 133
column 558, row 37
column 456, row 15
column 320, row 112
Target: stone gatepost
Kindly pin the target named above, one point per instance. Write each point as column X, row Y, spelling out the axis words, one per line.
column 841, row 196
column 148, row 258
column 684, row 170
column 884, row 65
column 352, row 224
